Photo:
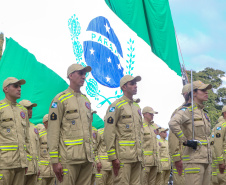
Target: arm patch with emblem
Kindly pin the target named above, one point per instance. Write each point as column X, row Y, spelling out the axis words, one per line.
column 110, row 120
column 53, row 116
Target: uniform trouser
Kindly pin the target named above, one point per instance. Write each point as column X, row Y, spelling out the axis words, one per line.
column 77, row 174
column 197, row 173
column 104, row 178
column 30, row 179
column 158, row 180
column 149, row 174
column 165, row 177
column 12, row 176
column 93, row 178
column 46, row 181
column 129, row 174
column 221, row 178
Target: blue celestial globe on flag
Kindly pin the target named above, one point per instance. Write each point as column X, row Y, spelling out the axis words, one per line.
column 103, row 53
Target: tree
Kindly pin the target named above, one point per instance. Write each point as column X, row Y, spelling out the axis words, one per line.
column 217, row 96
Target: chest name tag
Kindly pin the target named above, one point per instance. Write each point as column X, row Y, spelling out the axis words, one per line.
column 8, row 119
column 72, row 111
column 126, row 116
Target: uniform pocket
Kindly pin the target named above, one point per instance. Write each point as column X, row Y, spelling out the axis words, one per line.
column 8, row 154
column 199, row 128
column 127, row 150
column 7, row 131
column 75, row 149
column 126, row 124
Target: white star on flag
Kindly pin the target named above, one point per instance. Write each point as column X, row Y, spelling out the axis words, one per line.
column 119, row 66
column 109, row 60
column 108, row 79
column 92, row 51
column 107, row 28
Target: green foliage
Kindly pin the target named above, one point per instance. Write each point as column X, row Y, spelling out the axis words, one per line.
column 217, row 96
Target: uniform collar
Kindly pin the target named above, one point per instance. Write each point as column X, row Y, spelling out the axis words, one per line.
column 9, row 102
column 73, row 92
column 127, row 99
column 200, row 106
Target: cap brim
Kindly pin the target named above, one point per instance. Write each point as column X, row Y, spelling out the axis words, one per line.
column 34, row 104
column 87, row 69
column 22, row 81
column 137, row 79
column 206, row 86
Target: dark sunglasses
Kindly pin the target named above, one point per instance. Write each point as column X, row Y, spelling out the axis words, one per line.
column 15, row 85
column 82, row 72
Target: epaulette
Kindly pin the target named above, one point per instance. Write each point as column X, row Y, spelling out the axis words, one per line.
column 187, row 104
column 21, row 107
column 84, row 96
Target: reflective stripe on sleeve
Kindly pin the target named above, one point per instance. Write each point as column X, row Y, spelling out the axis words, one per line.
column 74, row 142
column 111, row 152
column 9, row 147
column 192, row 170
column 53, row 154
column 126, row 143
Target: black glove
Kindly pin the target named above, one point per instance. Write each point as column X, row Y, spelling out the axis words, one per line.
column 192, row 144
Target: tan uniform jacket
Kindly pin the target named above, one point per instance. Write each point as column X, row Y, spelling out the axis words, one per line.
column 214, row 159
column 220, row 142
column 14, row 135
column 181, row 126
column 70, row 128
column 34, row 147
column 122, row 133
column 102, row 156
column 94, row 147
column 44, row 160
column 164, row 154
column 175, row 147
column 149, row 144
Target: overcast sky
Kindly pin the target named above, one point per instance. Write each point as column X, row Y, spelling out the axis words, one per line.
column 201, row 30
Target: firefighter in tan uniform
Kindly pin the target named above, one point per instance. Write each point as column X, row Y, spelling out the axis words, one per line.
column 164, row 156
column 32, row 172
column 122, row 134
column 220, row 148
column 94, row 133
column 104, row 175
column 175, row 147
column 149, row 147
column 214, row 164
column 196, row 155
column 47, row 176
column 14, row 134
column 70, row 131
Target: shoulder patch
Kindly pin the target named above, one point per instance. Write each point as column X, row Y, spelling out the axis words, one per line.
column 218, row 128
column 218, row 135
column 22, row 114
column 112, row 109
column 110, row 120
column 54, row 105
column 53, row 116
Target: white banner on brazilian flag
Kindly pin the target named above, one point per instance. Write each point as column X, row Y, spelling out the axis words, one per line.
column 60, row 33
